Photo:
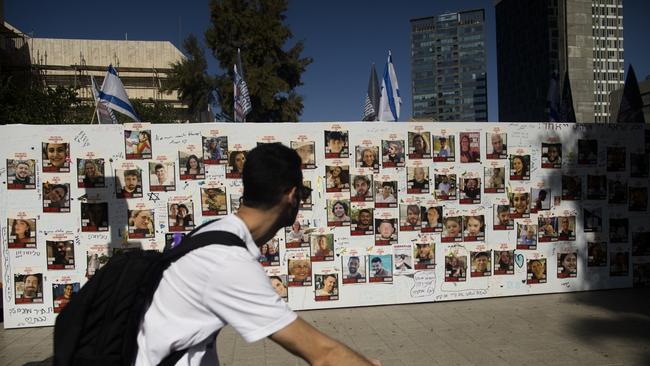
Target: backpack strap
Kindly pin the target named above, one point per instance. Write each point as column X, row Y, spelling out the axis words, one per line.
column 192, row 242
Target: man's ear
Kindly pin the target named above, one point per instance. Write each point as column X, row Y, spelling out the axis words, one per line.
column 293, row 194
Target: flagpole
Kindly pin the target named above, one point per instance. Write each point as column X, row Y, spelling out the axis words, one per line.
column 94, row 112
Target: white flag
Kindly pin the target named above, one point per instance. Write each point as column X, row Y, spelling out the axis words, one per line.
column 242, row 101
column 114, row 95
column 390, row 101
column 104, row 114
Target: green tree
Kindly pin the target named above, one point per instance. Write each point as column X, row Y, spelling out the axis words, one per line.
column 272, row 74
column 35, row 105
column 190, row 78
column 155, row 111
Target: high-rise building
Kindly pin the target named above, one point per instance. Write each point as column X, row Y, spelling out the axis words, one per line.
column 616, row 95
column 448, row 63
column 537, row 38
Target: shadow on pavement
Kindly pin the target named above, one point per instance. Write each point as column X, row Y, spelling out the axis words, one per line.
column 45, row 362
column 628, row 319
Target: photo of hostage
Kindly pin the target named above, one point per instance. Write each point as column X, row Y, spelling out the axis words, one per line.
column 385, row 230
column 361, row 188
column 443, row 149
column 55, row 196
column 455, row 267
column 141, row 223
column 93, row 172
column 368, row 158
column 138, row 143
column 279, row 286
column 328, row 286
column 567, row 264
column 236, row 162
column 536, row 270
column 160, row 176
column 215, row 149
column 355, row 270
column 130, row 184
column 468, row 154
column 336, row 143
column 28, row 288
column 57, row 156
column 21, row 174
column 420, row 181
column 20, row 233
column 322, row 247
column 377, row 268
column 385, row 193
column 364, row 221
column 339, row 212
column 229, row 283
column 419, row 147
column 481, row 264
column 497, row 147
column 300, row 271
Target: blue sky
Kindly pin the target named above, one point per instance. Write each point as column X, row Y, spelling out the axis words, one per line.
column 343, row 37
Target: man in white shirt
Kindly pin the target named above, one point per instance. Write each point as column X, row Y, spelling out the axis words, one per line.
column 217, row 285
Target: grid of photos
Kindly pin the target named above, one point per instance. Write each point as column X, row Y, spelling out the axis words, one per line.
column 384, row 210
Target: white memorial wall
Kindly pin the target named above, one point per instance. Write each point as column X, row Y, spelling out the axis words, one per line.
column 399, row 212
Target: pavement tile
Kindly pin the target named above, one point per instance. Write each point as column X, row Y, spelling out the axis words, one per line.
column 590, row 328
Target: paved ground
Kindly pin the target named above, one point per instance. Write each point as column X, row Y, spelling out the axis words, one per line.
column 592, row 328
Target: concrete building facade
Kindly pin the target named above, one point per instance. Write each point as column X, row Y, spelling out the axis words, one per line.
column 448, row 63
column 143, row 66
column 536, row 39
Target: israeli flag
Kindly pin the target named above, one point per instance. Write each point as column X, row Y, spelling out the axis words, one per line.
column 114, row 96
column 390, row 102
column 553, row 99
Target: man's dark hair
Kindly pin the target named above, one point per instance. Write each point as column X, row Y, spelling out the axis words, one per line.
column 335, row 135
column 481, row 254
column 62, row 186
column 360, row 178
column 345, row 205
column 364, row 210
column 375, row 260
column 158, row 166
column 271, row 170
column 131, row 172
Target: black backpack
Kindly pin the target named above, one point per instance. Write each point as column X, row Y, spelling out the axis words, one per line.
column 99, row 326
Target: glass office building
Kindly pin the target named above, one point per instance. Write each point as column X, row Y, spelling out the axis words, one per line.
column 448, row 67
column 538, row 38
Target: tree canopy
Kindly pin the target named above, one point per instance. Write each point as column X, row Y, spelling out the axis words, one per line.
column 271, row 72
column 62, row 105
column 189, row 77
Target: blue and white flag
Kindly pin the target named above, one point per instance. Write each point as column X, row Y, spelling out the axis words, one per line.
column 371, row 105
column 213, row 105
column 553, row 99
column 114, row 95
column 104, row 114
column 390, row 101
column 241, row 98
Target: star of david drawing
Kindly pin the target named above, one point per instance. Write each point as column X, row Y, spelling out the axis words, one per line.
column 153, row 196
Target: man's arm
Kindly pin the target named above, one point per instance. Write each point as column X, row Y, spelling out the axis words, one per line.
column 307, row 342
